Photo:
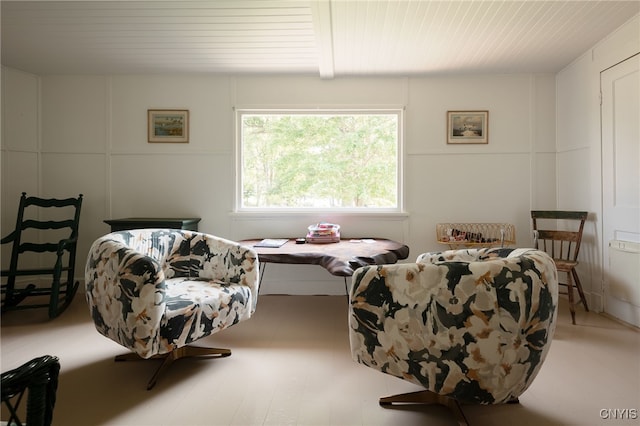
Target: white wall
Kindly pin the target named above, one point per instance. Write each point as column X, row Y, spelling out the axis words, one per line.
column 20, row 147
column 579, row 171
column 92, row 139
column 64, row 135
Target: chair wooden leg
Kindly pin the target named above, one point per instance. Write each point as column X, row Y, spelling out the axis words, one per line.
column 572, row 308
column 169, row 358
column 579, row 287
column 426, row 397
column 57, row 304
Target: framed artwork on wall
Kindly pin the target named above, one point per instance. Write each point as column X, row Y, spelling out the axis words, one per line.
column 467, row 127
column 168, row 125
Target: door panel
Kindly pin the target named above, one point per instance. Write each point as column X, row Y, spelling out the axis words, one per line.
column 620, row 87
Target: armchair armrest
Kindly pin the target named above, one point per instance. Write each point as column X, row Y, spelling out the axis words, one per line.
column 225, row 260
column 243, row 268
column 125, row 293
column 470, row 255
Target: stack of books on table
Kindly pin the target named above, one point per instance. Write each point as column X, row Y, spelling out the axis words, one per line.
column 323, row 232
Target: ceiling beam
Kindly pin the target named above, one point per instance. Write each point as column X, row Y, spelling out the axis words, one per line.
column 323, row 29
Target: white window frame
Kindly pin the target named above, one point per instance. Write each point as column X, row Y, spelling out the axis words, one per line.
column 399, row 209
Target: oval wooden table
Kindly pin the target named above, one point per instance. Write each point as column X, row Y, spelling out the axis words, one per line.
column 340, row 259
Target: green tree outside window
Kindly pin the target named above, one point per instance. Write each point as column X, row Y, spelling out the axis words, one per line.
column 319, row 160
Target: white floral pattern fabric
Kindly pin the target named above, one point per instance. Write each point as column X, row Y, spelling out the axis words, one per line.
column 155, row 290
column 474, row 325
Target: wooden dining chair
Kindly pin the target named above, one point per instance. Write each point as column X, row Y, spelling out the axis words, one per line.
column 563, row 246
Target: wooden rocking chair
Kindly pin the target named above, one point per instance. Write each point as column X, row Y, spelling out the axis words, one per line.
column 38, row 232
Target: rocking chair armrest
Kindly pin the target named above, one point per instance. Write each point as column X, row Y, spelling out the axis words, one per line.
column 9, row 238
column 65, row 244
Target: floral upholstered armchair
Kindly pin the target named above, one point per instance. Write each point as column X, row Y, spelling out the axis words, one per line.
column 155, row 291
column 470, row 326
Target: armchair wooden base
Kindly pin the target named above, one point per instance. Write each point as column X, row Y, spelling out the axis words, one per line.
column 426, row 397
column 169, row 358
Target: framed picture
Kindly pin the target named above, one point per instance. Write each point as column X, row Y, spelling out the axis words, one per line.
column 467, row 127
column 168, row 125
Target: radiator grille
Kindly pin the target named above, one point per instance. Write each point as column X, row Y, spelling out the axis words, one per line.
column 624, row 271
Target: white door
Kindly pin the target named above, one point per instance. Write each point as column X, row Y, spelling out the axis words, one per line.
column 620, row 86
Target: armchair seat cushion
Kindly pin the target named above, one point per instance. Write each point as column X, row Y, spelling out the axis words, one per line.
column 196, row 308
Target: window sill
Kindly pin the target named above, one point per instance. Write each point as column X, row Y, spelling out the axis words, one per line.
column 313, row 215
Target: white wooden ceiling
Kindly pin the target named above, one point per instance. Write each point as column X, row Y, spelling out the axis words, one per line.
column 325, row 37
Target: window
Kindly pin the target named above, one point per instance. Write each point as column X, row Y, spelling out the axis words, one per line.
column 320, row 159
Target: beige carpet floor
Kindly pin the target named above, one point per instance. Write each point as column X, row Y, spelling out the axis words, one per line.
column 291, row 365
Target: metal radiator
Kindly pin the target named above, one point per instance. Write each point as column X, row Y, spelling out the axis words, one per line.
column 624, row 271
